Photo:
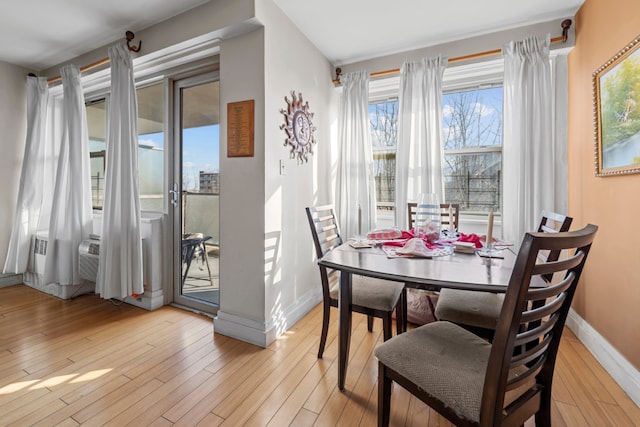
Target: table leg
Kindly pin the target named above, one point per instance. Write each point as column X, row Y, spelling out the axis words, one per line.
column 344, row 308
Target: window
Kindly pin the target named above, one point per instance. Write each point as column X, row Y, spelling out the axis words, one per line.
column 96, row 126
column 150, row 147
column 472, row 144
column 383, row 120
column 471, row 139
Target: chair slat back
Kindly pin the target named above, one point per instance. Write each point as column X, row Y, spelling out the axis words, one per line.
column 412, row 208
column 552, row 222
column 324, row 228
column 531, row 322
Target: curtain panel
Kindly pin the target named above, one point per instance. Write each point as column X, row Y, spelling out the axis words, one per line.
column 31, row 186
column 120, row 268
column 355, row 184
column 528, row 149
column 71, row 212
column 419, row 147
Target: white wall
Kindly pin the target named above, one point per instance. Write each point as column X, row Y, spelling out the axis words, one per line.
column 292, row 63
column 13, row 122
column 264, row 211
column 217, row 18
column 468, row 46
column 242, row 194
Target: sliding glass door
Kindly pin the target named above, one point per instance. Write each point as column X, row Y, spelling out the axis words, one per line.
column 195, row 196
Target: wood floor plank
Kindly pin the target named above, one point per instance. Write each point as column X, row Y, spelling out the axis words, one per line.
column 620, row 397
column 304, row 418
column 617, row 417
column 265, row 412
column 292, row 408
column 581, row 392
column 83, row 398
column 202, row 400
column 87, row 361
column 236, row 414
column 572, row 415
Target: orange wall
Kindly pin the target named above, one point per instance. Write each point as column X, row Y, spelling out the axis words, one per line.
column 608, row 297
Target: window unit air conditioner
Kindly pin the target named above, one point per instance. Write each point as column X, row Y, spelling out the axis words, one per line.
column 40, row 242
column 89, row 256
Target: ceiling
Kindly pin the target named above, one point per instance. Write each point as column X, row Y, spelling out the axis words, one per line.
column 38, row 34
column 345, row 31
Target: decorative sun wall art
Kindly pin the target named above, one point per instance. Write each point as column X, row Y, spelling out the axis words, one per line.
column 298, row 126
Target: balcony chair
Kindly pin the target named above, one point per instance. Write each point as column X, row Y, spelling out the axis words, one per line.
column 193, row 246
column 479, row 311
column 472, row 382
column 373, row 297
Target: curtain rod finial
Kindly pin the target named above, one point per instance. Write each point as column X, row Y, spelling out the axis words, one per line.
column 566, row 24
column 130, row 36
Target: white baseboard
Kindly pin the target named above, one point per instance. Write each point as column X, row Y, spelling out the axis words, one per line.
column 149, row 300
column 264, row 333
column 623, row 372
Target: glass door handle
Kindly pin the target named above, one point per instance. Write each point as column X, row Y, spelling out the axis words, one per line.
column 174, row 195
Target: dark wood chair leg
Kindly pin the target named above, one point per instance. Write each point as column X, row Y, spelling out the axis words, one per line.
column 384, row 396
column 401, row 313
column 387, row 326
column 370, row 323
column 326, row 311
column 543, row 416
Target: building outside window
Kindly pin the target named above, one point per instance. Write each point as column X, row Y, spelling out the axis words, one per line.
column 209, row 182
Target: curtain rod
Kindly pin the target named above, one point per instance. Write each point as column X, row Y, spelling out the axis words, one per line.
column 566, row 24
column 128, row 35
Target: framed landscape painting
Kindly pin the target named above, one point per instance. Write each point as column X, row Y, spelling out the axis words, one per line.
column 616, row 89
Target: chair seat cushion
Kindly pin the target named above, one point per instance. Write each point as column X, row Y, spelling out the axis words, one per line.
column 447, row 362
column 480, row 309
column 369, row 292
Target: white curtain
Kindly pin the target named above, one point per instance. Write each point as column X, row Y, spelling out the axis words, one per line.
column 120, row 271
column 31, row 186
column 528, row 151
column 355, row 185
column 560, row 118
column 419, row 147
column 71, row 213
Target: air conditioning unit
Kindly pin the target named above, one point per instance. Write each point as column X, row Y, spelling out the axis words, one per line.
column 38, row 256
column 89, row 257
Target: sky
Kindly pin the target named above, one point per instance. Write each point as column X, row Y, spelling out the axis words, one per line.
column 201, row 151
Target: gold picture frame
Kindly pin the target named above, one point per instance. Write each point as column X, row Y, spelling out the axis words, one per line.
column 616, row 105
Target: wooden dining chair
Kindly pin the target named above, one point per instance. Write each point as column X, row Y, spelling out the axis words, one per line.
column 429, row 296
column 479, row 311
column 373, row 297
column 472, row 382
column 444, row 212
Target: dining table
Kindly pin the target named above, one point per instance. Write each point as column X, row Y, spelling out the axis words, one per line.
column 457, row 270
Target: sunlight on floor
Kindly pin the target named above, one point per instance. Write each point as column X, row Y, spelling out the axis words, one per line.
column 53, row 381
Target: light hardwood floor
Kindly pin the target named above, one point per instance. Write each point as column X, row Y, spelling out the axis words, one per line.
column 90, row 362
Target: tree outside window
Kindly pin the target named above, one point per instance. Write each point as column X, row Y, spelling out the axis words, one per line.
column 472, row 143
column 383, row 120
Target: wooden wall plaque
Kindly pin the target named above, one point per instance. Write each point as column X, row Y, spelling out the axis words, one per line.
column 240, row 128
